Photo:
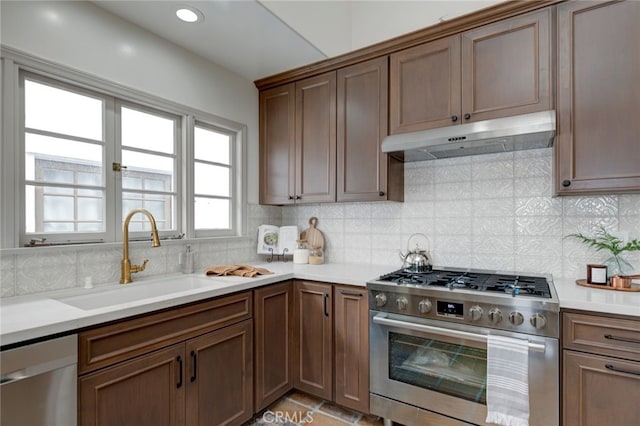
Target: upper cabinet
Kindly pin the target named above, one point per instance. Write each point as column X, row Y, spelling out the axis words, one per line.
column 364, row 173
column 596, row 149
column 298, row 142
column 320, row 139
column 497, row 70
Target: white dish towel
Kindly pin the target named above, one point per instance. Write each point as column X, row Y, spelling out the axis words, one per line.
column 507, row 381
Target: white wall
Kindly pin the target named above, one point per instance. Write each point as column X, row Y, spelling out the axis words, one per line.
column 84, row 37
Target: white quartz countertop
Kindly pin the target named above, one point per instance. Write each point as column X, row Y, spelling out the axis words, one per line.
column 24, row 318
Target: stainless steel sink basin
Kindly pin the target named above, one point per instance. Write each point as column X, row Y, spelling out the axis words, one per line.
column 136, row 291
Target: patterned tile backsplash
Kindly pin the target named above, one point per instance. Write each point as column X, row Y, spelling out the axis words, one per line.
column 489, row 211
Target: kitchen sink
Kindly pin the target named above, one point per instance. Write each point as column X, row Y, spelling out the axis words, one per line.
column 136, row 291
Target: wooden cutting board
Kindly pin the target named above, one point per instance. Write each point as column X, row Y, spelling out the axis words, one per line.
column 313, row 236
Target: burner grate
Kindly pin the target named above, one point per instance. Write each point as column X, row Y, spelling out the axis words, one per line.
column 510, row 284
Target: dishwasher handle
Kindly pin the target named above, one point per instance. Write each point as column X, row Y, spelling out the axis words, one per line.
column 29, row 361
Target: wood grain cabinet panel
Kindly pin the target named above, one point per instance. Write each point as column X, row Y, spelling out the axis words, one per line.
column 364, row 172
column 277, row 145
column 273, row 323
column 192, row 365
column 219, row 377
column 497, row 70
column 146, row 391
column 601, row 370
column 351, row 327
column 597, row 149
column 313, row 337
column 316, row 139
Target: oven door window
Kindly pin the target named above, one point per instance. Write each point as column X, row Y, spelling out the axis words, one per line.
column 452, row 369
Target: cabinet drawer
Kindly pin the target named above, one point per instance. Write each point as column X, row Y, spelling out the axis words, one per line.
column 602, row 335
column 107, row 345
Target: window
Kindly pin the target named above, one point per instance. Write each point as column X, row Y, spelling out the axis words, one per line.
column 87, row 157
column 213, row 169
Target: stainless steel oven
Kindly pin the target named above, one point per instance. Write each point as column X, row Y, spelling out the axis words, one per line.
column 428, row 352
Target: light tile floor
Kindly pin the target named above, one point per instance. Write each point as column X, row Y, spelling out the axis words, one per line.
column 297, row 409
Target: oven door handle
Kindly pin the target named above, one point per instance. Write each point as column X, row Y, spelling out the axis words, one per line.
column 533, row 346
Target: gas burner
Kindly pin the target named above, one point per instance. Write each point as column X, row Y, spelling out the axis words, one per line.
column 471, row 280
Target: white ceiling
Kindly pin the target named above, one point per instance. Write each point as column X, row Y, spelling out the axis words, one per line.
column 257, row 39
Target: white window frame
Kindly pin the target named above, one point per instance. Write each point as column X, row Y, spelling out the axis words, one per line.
column 12, row 169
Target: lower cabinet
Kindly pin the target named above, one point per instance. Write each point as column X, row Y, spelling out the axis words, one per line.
column 331, row 349
column 168, row 372
column 601, row 370
column 273, row 322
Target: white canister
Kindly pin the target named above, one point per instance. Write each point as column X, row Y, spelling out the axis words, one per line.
column 301, row 253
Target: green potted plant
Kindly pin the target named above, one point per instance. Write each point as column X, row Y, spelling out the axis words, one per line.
column 603, row 240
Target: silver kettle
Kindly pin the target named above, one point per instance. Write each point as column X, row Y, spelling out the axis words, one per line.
column 416, row 260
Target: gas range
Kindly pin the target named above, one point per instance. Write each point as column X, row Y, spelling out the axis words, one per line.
column 505, row 301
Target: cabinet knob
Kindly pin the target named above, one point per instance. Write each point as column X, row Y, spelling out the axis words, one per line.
column 467, row 116
column 566, row 183
column 298, row 197
column 454, row 118
column 381, row 193
column 291, row 197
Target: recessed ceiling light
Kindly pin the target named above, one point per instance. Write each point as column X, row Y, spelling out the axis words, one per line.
column 189, row 14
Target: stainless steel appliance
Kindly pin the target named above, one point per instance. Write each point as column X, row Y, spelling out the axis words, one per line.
column 428, row 343
column 39, row 383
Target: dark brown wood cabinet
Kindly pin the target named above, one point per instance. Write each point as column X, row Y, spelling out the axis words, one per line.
column 332, row 342
column 313, row 338
column 601, row 370
column 277, row 145
column 351, row 333
column 364, row 172
column 273, row 322
column 298, row 142
column 497, row 70
column 192, row 365
column 598, row 101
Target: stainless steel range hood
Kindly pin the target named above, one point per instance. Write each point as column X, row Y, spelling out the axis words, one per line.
column 527, row 131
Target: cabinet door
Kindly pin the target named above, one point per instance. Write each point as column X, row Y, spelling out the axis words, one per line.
column 600, row 390
column 277, row 145
column 148, row 390
column 424, row 89
column 273, row 315
column 506, row 68
column 313, row 365
column 316, row 139
column 351, row 330
column 598, row 97
column 219, row 376
column 362, row 124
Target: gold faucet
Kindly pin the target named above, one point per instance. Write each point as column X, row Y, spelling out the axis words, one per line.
column 126, row 269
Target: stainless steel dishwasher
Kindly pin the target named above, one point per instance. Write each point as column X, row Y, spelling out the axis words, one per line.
column 39, row 383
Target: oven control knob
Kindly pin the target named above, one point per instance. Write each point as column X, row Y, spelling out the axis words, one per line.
column 475, row 312
column 381, row 299
column 424, row 306
column 516, row 318
column 402, row 303
column 495, row 316
column 538, row 321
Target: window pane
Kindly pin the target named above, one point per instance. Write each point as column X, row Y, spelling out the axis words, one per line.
column 43, row 155
column 212, row 146
column 146, row 166
column 147, row 131
column 58, row 208
column 212, row 213
column 89, row 227
column 90, row 209
column 57, row 190
column 160, row 206
column 211, row 180
column 58, row 227
column 62, row 111
column 85, row 178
